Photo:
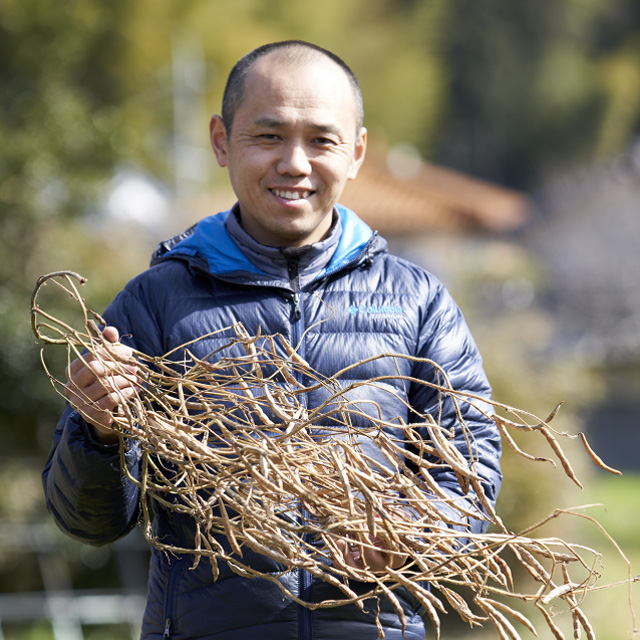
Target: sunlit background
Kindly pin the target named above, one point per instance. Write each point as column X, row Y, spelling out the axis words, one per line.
column 503, row 156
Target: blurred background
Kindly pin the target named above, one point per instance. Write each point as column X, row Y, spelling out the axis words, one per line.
column 503, row 157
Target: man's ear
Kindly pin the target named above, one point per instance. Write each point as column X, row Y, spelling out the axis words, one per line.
column 358, row 156
column 218, row 137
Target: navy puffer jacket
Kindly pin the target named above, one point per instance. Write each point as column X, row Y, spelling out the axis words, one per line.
column 364, row 302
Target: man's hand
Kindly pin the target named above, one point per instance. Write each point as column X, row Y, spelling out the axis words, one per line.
column 97, row 387
column 374, row 558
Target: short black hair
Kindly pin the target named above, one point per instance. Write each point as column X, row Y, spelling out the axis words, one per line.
column 296, row 51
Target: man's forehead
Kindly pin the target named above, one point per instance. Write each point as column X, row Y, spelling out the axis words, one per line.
column 279, row 88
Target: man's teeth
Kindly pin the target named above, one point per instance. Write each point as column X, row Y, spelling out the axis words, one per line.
column 291, row 195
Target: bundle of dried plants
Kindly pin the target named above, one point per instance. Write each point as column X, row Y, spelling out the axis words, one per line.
column 228, row 441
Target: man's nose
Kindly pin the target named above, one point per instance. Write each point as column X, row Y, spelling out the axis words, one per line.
column 294, row 160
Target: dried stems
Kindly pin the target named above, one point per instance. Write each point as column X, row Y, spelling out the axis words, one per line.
column 229, row 441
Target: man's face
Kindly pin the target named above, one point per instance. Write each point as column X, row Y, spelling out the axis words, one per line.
column 291, row 149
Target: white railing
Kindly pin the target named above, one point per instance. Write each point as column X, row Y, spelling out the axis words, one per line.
column 58, row 603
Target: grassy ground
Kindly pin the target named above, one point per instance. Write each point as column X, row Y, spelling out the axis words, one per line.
column 610, row 609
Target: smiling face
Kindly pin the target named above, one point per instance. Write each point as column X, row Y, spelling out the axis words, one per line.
column 292, row 146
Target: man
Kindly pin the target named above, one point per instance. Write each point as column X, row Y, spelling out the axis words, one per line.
column 285, row 259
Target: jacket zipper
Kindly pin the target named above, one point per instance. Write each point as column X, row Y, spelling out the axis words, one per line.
column 168, row 600
column 304, row 578
column 294, row 281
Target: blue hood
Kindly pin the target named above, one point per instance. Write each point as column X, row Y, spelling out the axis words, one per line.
column 209, row 241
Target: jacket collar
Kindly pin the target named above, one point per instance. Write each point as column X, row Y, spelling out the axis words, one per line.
column 208, row 245
column 310, row 260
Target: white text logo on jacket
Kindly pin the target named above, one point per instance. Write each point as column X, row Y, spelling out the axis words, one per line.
column 372, row 309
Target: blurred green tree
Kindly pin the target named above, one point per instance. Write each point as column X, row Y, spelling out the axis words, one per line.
column 536, row 88
column 61, row 135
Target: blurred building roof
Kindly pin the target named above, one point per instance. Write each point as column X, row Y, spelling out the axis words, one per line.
column 399, row 198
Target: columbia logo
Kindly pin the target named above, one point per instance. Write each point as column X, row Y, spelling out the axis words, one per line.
column 374, row 310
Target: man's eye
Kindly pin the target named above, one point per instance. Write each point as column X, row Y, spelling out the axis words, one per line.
column 323, row 141
column 268, row 136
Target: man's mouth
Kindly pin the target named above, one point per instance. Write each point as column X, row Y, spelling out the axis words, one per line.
column 291, row 195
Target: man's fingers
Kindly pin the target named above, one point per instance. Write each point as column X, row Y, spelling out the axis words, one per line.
column 104, row 394
column 118, row 358
column 382, row 553
column 96, row 404
column 95, row 387
column 111, row 334
column 119, row 353
column 100, row 412
column 99, row 384
column 373, row 558
column 104, row 374
column 352, row 554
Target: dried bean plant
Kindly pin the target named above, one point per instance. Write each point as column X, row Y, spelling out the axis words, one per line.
column 225, row 443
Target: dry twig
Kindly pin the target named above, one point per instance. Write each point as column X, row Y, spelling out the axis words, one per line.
column 229, row 441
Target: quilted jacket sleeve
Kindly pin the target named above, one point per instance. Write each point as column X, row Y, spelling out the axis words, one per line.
column 445, row 339
column 85, row 486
